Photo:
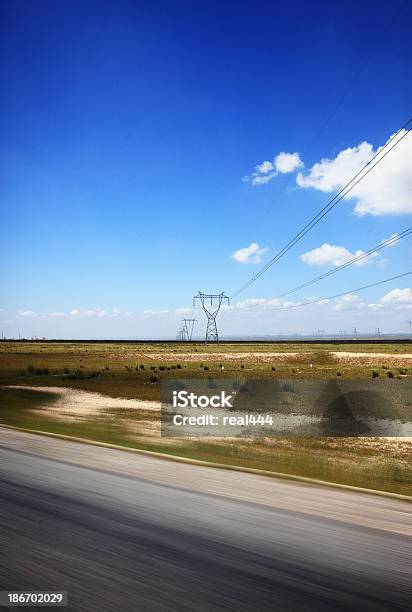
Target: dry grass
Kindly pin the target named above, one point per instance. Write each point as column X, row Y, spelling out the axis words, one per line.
column 135, row 370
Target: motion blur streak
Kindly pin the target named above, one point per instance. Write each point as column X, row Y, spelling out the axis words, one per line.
column 116, row 533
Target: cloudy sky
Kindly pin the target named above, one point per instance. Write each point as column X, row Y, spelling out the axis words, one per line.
column 151, row 151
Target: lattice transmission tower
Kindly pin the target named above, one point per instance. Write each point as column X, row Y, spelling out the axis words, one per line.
column 211, row 304
column 188, row 327
column 181, row 335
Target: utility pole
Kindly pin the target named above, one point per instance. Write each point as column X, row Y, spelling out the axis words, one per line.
column 378, row 332
column 355, row 332
column 211, row 303
column 410, row 325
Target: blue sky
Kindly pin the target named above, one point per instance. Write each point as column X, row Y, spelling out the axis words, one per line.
column 126, row 130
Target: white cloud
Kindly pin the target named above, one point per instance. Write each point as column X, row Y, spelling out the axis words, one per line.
column 90, row 313
column 393, row 237
column 332, row 255
column 386, row 190
column 183, row 311
column 117, row 313
column 93, row 312
column 263, row 303
column 375, row 306
column 151, row 312
column 332, row 174
column 275, row 303
column 351, row 297
column 75, row 313
column 349, row 302
column 30, row 314
column 262, row 179
column 258, row 177
column 394, row 300
column 26, row 313
column 402, row 298
column 251, row 254
column 288, row 162
column 265, row 167
column 267, row 170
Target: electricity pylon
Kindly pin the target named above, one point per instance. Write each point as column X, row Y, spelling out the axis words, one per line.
column 181, row 334
column 211, row 305
column 188, row 327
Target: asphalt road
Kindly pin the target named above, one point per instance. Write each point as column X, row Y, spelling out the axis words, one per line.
column 120, row 531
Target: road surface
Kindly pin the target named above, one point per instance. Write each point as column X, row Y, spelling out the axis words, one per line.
column 121, row 531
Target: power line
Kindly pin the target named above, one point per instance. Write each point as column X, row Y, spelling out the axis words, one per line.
column 328, row 207
column 389, row 242
column 328, row 119
column 332, row 297
column 361, row 174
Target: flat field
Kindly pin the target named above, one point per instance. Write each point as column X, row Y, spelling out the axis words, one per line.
column 134, row 370
column 111, row 392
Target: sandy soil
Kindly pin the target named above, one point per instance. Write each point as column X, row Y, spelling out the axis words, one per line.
column 261, row 357
column 371, row 358
column 221, row 355
column 77, row 403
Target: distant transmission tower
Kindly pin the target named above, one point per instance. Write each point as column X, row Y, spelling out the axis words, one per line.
column 211, row 305
column 181, row 335
column 188, row 327
column 355, row 332
column 410, row 325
